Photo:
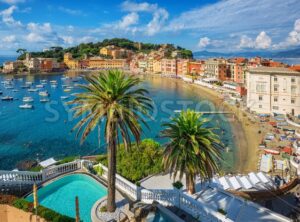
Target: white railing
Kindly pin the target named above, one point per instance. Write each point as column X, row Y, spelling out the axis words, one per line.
column 166, row 197
column 8, row 178
column 121, row 183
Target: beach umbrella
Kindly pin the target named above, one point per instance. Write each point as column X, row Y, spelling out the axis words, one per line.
column 77, row 209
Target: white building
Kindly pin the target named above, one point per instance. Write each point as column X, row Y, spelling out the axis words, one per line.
column 273, row 90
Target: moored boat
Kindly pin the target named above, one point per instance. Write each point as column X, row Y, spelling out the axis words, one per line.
column 44, row 100
column 39, row 86
column 7, row 98
column 32, row 90
column 27, row 99
column 44, row 93
column 64, row 97
column 26, row 106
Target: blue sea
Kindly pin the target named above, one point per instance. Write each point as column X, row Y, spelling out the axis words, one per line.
column 46, row 130
column 6, row 58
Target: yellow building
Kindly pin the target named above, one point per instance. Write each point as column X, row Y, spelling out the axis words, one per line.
column 156, row 66
column 105, row 51
column 99, row 63
column 70, row 62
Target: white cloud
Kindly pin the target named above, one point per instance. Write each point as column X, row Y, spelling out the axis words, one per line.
column 225, row 17
column 9, row 39
column 7, row 17
column 68, row 40
column 246, row 42
column 36, row 27
column 70, row 11
column 128, row 20
column 204, row 42
column 34, row 37
column 12, row 2
column 159, row 18
column 138, row 7
column 293, row 38
column 262, row 41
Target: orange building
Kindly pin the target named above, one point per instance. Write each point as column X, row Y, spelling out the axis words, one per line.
column 168, row 66
column 196, row 68
column 182, row 67
column 46, row 65
column 295, row 68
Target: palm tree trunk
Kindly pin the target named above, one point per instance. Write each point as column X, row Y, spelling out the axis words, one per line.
column 190, row 183
column 111, row 178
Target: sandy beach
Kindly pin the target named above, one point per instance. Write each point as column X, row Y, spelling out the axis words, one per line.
column 245, row 132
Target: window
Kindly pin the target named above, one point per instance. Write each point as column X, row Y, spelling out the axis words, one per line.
column 260, row 87
column 275, row 107
column 275, row 79
column 293, row 80
column 260, row 98
column 293, row 100
column 275, row 99
column 275, row 88
column 260, row 106
column 293, row 89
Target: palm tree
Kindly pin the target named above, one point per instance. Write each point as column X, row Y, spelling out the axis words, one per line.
column 115, row 99
column 193, row 148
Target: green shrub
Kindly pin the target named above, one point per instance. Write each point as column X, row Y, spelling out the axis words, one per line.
column 67, row 160
column 99, row 170
column 139, row 161
column 36, row 168
column 103, row 209
column 44, row 212
column 177, row 185
column 220, row 210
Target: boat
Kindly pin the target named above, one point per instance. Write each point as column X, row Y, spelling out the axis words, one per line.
column 64, row 86
column 270, row 151
column 28, row 83
column 53, row 86
column 7, row 98
column 67, row 90
column 8, row 87
column 64, row 97
column 39, row 86
column 25, row 86
column 32, row 90
column 27, row 99
column 69, row 87
column 44, row 100
column 53, row 82
column 15, row 90
column 26, row 106
column 44, row 93
column 43, row 81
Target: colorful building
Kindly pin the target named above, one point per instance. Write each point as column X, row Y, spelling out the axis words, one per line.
column 169, row 66
column 100, row 63
column 216, row 68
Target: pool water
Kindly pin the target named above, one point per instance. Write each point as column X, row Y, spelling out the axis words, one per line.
column 158, row 216
column 60, row 195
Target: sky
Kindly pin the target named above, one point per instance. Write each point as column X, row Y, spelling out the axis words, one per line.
column 212, row 25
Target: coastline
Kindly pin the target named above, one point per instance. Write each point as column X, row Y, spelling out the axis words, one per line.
column 244, row 132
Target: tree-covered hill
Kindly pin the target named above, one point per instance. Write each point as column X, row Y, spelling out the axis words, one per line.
column 92, row 49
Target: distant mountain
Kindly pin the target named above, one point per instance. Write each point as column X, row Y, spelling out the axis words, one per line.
column 293, row 53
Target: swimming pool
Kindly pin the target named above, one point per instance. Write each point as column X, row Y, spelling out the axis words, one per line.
column 60, row 195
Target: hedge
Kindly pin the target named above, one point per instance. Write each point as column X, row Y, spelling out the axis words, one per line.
column 46, row 213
